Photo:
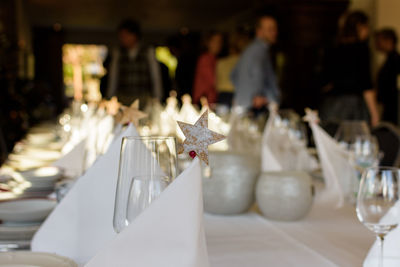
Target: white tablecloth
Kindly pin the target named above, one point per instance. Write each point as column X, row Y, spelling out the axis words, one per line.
column 326, row 237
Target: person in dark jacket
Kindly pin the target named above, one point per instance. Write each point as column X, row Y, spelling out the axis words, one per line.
column 349, row 93
column 387, row 80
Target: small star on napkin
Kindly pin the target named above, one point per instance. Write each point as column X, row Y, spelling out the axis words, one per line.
column 311, row 116
column 113, row 106
column 132, row 114
column 198, row 137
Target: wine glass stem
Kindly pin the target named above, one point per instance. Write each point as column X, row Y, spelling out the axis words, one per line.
column 380, row 239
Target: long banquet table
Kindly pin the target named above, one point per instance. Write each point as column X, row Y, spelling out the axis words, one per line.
column 325, row 237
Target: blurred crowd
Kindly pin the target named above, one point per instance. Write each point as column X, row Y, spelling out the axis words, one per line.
column 239, row 69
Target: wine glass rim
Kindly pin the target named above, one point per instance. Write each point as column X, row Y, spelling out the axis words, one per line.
column 149, row 137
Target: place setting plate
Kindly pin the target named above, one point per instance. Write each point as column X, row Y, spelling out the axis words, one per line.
column 42, row 177
column 34, row 259
column 40, row 138
column 21, row 218
column 9, row 233
column 25, row 210
column 36, row 153
column 25, row 164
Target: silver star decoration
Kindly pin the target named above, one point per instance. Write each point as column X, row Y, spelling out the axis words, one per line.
column 132, row 114
column 311, row 116
column 199, row 137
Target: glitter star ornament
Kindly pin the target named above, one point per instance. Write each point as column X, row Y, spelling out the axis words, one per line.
column 132, row 114
column 311, row 116
column 198, row 138
column 113, row 106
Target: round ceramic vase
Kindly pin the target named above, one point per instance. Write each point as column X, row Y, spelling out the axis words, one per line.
column 284, row 196
column 229, row 182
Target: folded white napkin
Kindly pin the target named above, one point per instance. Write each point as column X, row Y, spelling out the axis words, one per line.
column 104, row 132
column 269, row 162
column 188, row 112
column 169, row 233
column 167, row 124
column 96, row 140
column 85, row 152
column 280, row 152
column 391, row 247
column 82, row 223
column 338, row 173
column 84, row 125
column 73, row 161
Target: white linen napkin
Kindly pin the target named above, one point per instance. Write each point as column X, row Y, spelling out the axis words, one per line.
column 82, row 223
column 104, row 131
column 280, row 152
column 338, row 173
column 167, row 123
column 73, row 161
column 97, row 137
column 169, row 233
column 391, row 247
column 268, row 161
column 85, row 152
column 188, row 112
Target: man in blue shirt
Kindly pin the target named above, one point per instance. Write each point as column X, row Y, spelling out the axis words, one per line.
column 253, row 76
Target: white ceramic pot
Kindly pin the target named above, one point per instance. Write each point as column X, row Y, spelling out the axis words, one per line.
column 230, row 186
column 284, row 196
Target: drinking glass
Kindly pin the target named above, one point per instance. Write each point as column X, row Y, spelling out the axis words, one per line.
column 147, row 165
column 348, row 131
column 365, row 152
column 356, row 139
column 291, row 123
column 142, row 192
column 378, row 202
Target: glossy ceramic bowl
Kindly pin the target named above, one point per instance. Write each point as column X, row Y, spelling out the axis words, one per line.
column 228, row 184
column 284, row 196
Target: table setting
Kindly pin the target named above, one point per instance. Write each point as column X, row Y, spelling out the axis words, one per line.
column 189, row 187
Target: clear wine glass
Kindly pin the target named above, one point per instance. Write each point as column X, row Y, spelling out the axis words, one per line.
column 291, row 123
column 147, row 165
column 365, row 152
column 348, row 131
column 142, row 192
column 378, row 202
column 355, row 137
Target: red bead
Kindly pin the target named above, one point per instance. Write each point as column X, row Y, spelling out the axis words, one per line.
column 192, row 154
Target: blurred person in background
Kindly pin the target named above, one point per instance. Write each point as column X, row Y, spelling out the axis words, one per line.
column 132, row 69
column 185, row 47
column 349, row 94
column 205, row 75
column 253, row 77
column 387, row 80
column 237, row 43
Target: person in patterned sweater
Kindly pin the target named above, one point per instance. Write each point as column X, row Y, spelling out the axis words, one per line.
column 132, row 69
